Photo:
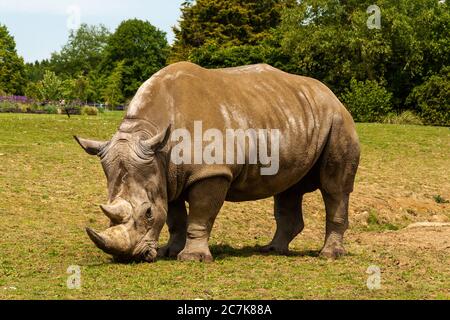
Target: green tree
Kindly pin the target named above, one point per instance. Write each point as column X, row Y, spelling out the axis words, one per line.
column 210, row 29
column 80, row 87
column 432, row 98
column 12, row 68
column 51, row 87
column 35, row 71
column 112, row 93
column 141, row 47
column 82, row 53
column 33, row 91
column 76, row 89
column 367, row 101
column 97, row 83
column 330, row 40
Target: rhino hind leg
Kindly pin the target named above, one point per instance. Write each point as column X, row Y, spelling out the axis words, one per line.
column 338, row 167
column 289, row 220
column 336, row 206
column 205, row 198
column 177, row 223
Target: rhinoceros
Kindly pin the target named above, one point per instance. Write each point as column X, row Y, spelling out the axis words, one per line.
column 318, row 150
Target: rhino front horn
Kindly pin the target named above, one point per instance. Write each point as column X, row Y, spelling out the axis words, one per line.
column 99, row 241
column 114, row 241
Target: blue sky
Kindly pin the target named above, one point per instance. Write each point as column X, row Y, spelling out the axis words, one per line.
column 41, row 27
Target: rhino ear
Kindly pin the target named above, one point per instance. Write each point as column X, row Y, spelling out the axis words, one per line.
column 158, row 142
column 90, row 146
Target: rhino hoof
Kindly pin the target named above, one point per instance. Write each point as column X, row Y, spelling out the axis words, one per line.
column 168, row 252
column 273, row 248
column 333, row 253
column 195, row 256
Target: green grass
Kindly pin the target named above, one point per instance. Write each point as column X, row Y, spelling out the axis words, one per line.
column 50, row 191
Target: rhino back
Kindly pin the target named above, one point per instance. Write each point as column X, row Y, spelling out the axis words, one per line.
column 251, row 97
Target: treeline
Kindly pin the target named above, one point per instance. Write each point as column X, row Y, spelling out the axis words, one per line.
column 379, row 73
column 94, row 66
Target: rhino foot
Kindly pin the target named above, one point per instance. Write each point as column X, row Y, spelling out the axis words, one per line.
column 282, row 250
column 333, row 252
column 200, row 256
column 169, row 251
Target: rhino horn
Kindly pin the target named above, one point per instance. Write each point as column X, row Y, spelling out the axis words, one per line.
column 115, row 240
column 159, row 141
column 118, row 212
column 92, row 147
column 98, row 239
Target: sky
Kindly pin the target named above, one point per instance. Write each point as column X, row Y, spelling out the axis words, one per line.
column 41, row 27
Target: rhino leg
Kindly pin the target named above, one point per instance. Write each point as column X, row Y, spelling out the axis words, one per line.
column 289, row 219
column 338, row 168
column 336, row 206
column 177, row 223
column 205, row 199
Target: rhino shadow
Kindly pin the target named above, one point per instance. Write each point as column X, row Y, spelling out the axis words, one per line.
column 224, row 251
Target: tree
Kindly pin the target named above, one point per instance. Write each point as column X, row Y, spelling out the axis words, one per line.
column 141, row 48
column 432, row 98
column 208, row 26
column 76, row 89
column 97, row 83
column 12, row 68
column 112, row 93
column 35, row 71
column 82, row 53
column 330, row 40
column 51, row 87
column 33, row 91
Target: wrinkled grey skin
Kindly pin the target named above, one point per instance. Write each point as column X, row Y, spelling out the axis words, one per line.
column 319, row 150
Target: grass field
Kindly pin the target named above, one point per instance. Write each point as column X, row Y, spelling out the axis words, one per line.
column 50, row 191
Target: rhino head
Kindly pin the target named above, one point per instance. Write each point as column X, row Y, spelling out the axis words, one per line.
column 135, row 168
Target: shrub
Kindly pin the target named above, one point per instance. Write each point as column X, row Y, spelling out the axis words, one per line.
column 7, row 106
column 49, row 109
column 367, row 101
column 89, row 111
column 407, row 117
column 432, row 99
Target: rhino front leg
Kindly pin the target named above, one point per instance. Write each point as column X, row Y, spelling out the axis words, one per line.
column 336, row 206
column 177, row 223
column 205, row 199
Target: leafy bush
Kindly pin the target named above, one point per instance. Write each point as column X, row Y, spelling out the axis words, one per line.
column 432, row 98
column 367, row 101
column 407, row 117
column 7, row 106
column 89, row 111
column 49, row 109
column 22, row 107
